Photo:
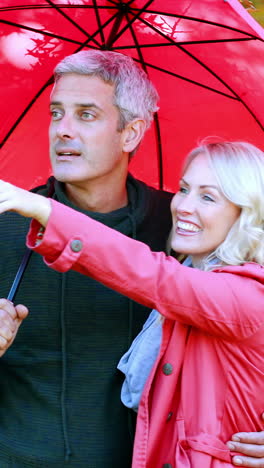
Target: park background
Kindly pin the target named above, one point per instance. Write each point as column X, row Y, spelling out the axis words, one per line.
column 256, row 9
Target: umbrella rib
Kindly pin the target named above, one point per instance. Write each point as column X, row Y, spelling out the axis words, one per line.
column 71, row 20
column 112, row 35
column 159, row 147
column 132, row 21
column 210, row 71
column 23, row 7
column 172, row 41
column 173, row 15
column 117, row 2
column 84, row 44
column 188, row 53
column 40, row 31
column 156, row 117
column 198, row 20
column 68, row 7
column 235, row 98
column 170, row 44
column 179, row 45
column 50, row 81
column 98, row 19
column 224, row 83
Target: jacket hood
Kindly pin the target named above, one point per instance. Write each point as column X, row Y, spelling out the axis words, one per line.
column 137, row 208
column 250, row 270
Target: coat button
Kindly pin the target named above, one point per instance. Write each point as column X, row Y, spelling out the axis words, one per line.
column 169, row 416
column 167, row 465
column 76, row 245
column 184, row 444
column 167, row 369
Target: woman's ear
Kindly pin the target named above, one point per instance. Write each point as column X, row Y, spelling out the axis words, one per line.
column 133, row 134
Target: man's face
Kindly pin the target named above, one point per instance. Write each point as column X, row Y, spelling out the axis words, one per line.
column 84, row 142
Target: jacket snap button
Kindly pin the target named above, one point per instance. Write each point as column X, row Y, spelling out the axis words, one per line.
column 76, row 245
column 184, row 444
column 169, row 416
column 167, row 369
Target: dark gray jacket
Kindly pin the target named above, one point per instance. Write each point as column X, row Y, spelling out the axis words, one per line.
column 60, row 389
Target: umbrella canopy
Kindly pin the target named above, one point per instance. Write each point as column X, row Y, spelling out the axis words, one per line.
column 205, row 57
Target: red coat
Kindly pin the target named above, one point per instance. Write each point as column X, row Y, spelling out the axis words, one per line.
column 208, row 381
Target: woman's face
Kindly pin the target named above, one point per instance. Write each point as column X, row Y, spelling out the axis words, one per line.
column 201, row 214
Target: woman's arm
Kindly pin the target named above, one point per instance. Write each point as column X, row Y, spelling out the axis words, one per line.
column 28, row 204
column 218, row 303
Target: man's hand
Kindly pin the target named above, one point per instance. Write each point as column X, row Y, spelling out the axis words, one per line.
column 11, row 318
column 251, row 444
column 27, row 204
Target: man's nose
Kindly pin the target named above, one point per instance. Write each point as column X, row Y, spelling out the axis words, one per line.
column 64, row 128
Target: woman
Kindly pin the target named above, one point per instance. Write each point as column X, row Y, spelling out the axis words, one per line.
column 209, row 373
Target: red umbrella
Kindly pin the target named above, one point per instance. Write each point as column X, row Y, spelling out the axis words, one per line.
column 206, row 58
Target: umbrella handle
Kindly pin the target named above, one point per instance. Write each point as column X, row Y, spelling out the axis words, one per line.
column 19, row 274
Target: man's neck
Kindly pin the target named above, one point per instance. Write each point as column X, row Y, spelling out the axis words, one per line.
column 100, row 197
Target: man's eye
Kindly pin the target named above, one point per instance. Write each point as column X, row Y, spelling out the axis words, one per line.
column 87, row 115
column 55, row 115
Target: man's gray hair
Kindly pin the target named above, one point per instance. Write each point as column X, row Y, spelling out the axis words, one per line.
column 134, row 94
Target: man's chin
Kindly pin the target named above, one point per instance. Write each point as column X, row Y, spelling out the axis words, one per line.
column 66, row 176
column 62, row 178
column 71, row 179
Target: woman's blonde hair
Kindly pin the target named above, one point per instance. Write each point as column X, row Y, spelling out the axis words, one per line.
column 239, row 169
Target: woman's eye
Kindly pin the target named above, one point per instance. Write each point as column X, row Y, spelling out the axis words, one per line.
column 183, row 190
column 207, row 198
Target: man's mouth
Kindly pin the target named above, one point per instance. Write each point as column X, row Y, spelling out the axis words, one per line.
column 61, row 154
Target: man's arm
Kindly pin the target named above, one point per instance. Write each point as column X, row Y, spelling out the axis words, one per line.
column 251, row 447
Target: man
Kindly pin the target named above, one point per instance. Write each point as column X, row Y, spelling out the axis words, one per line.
column 60, row 390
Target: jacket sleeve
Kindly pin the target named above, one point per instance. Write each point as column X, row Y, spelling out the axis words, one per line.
column 224, row 304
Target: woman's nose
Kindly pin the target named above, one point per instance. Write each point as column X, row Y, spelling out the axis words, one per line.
column 184, row 203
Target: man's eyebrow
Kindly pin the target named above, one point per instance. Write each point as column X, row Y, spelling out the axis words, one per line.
column 88, row 105
column 55, row 103
column 202, row 186
column 83, row 105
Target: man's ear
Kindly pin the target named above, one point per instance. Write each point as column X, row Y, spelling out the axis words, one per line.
column 133, row 134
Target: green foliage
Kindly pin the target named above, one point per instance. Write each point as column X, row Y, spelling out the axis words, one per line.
column 255, row 8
